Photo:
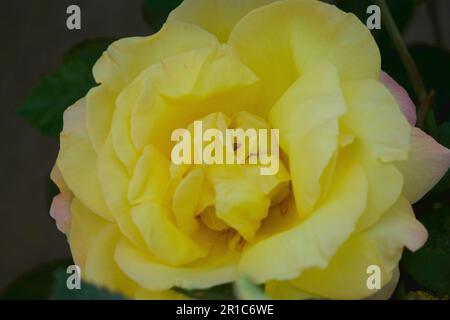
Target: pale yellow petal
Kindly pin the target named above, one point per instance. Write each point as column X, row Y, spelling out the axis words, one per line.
column 314, row 241
column 125, row 59
column 307, row 116
column 345, row 277
column 101, row 268
column 283, row 290
column 57, row 178
column 216, row 16
column 150, row 177
column 385, row 185
column 188, row 87
column 123, row 145
column 218, row 268
column 77, row 161
column 241, row 205
column 374, row 118
column 210, row 219
column 114, row 184
column 162, row 236
column 295, row 34
column 185, row 200
column 100, row 105
column 276, row 187
column 84, row 227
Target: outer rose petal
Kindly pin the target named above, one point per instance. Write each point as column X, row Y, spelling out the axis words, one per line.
column 401, row 95
column 307, row 116
column 284, row 290
column 60, row 211
column 427, row 163
column 314, row 241
column 114, row 184
column 374, row 118
column 218, row 268
column 382, row 245
column 57, row 178
column 183, row 88
column 385, row 186
column 225, row 13
column 298, row 33
column 84, row 227
column 125, row 59
column 77, row 160
column 128, row 57
column 101, row 268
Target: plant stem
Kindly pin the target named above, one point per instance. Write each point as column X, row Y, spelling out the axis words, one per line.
column 408, row 62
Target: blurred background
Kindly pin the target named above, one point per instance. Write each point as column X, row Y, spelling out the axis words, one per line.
column 34, row 39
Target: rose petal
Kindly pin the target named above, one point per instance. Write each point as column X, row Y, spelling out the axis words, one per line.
column 427, row 163
column 60, row 211
column 401, row 95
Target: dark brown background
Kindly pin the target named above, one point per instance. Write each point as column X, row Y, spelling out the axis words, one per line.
column 33, row 39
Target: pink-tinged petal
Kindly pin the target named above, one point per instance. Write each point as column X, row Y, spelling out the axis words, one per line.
column 427, row 163
column 407, row 106
column 416, row 237
column 60, row 211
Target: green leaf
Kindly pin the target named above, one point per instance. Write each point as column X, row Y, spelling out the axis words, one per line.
column 248, row 290
column 48, row 99
column 429, row 266
column 86, row 292
column 221, row 292
column 34, row 284
column 156, row 11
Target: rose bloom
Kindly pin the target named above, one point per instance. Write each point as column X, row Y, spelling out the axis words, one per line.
column 351, row 160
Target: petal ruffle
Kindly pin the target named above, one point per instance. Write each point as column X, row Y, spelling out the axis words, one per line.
column 297, row 33
column 374, row 118
column 84, row 227
column 345, row 277
column 187, row 87
column 114, row 182
column 101, row 268
column 314, row 241
column 307, row 116
column 125, row 59
column 77, row 161
column 218, row 268
column 225, row 13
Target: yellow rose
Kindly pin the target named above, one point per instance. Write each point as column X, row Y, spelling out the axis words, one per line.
column 351, row 164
